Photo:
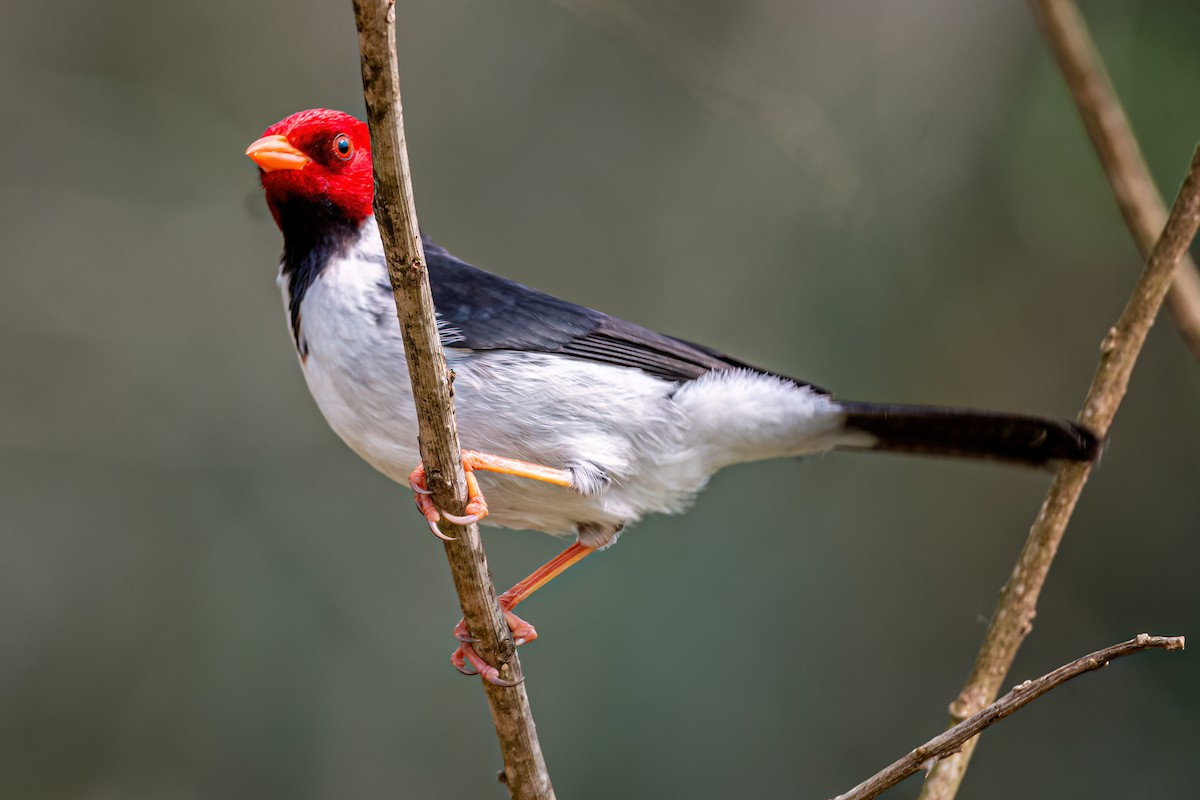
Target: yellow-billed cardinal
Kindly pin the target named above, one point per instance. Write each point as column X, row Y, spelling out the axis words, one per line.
column 583, row 422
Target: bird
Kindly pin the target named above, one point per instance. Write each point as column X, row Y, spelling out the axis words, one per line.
column 578, row 423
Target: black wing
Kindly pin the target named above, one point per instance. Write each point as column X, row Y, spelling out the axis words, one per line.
column 493, row 313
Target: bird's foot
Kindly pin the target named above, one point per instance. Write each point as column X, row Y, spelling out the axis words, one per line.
column 522, row 631
column 476, row 508
column 467, row 661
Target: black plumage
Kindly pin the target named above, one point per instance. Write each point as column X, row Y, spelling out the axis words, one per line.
column 489, row 312
column 313, row 235
column 992, row 435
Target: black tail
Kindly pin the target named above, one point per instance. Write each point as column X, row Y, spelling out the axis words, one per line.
column 1033, row 441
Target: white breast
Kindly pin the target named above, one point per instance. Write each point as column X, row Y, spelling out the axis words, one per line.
column 640, row 443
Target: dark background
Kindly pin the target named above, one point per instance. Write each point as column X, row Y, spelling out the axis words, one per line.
column 204, row 594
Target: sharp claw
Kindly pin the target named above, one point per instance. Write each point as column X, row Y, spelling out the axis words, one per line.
column 462, row 634
column 458, row 660
column 489, row 673
column 496, row 680
column 438, row 533
column 469, row 519
column 419, row 489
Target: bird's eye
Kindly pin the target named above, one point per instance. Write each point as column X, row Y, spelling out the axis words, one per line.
column 342, row 146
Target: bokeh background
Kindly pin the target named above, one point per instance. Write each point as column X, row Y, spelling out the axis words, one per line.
column 204, row 594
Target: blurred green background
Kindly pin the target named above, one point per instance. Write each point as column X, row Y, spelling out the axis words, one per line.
column 204, row 594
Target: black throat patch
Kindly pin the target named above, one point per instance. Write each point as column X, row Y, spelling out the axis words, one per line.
column 313, row 235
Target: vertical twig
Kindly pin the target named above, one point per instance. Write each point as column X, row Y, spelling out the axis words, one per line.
column 1013, row 618
column 1108, row 126
column 524, row 767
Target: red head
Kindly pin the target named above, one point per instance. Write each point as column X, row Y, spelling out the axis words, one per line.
column 316, row 159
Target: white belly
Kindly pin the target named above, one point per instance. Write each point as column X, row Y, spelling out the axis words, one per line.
column 654, row 442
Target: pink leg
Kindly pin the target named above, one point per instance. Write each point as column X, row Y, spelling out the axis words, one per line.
column 476, row 504
column 522, row 631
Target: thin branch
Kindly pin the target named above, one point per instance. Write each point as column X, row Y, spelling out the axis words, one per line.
column 1108, row 126
column 524, row 767
column 953, row 739
column 1013, row 618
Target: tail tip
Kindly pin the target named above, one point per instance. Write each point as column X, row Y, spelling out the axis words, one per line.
column 1087, row 445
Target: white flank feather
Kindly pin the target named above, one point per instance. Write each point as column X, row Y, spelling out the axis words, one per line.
column 635, row 443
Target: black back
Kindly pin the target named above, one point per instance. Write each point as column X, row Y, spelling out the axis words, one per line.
column 494, row 313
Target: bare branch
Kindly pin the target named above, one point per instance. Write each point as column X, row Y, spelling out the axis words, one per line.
column 1013, row 618
column 1137, row 196
column 953, row 739
column 524, row 767
column 1145, row 214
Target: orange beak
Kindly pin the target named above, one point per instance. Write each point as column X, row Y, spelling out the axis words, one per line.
column 276, row 152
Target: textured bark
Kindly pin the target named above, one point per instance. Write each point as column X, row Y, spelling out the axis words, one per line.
column 525, row 771
column 1013, row 618
column 1108, row 126
column 953, row 739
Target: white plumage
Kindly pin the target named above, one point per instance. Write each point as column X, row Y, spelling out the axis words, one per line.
column 635, row 443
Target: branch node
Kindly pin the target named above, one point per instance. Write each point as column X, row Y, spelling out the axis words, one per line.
column 1109, row 343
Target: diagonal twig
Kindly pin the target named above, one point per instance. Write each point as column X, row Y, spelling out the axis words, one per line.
column 525, row 771
column 953, row 739
column 1108, row 126
column 1013, row 618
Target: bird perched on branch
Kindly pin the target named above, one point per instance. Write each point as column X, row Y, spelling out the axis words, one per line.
column 582, row 423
